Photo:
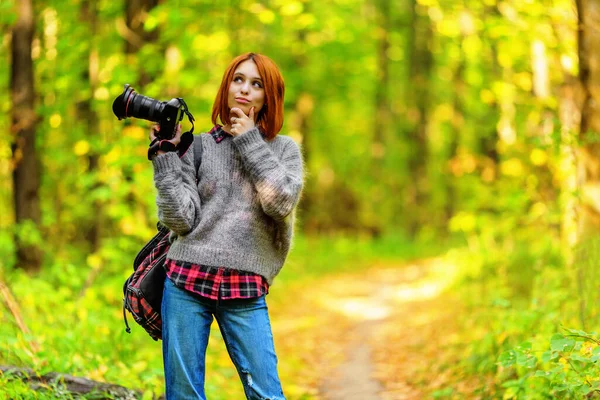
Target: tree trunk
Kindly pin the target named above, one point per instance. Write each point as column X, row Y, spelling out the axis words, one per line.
column 303, row 109
column 88, row 15
column 381, row 124
column 75, row 386
column 26, row 173
column 421, row 62
column 135, row 12
column 235, row 21
column 588, row 160
column 451, row 182
column 382, row 102
column 589, row 75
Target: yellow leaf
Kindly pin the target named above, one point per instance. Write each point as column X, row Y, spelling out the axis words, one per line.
column 292, row 8
column 139, row 366
column 98, row 373
column 487, row 96
column 512, row 167
column 81, row 148
column 55, row 120
column 538, row 157
column 463, row 221
column 562, row 360
column 266, row 17
column 82, row 314
column 101, row 93
column 538, row 209
column 128, row 226
column 113, row 155
column 135, row 132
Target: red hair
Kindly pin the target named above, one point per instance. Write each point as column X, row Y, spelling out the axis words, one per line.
column 270, row 117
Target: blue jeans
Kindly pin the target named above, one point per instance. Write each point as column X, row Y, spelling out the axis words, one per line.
column 245, row 328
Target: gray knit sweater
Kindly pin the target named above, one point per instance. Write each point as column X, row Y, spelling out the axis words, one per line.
column 240, row 214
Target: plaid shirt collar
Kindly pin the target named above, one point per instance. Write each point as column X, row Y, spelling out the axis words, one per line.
column 219, row 134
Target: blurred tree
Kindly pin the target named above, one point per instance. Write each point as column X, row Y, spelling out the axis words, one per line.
column 589, row 67
column 589, row 158
column 418, row 99
column 303, row 107
column 452, row 198
column 136, row 12
column 382, row 101
column 488, row 141
column 87, row 114
column 26, row 163
column 403, row 109
column 136, row 37
column 382, row 121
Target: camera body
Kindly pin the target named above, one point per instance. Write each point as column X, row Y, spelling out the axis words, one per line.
column 171, row 115
column 166, row 113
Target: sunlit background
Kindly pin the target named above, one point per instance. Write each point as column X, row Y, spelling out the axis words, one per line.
column 449, row 213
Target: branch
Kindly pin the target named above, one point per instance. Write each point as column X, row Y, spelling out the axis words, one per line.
column 73, row 384
column 584, row 337
column 130, row 36
column 10, row 303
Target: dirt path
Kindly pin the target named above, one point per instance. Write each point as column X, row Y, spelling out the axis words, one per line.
column 353, row 380
column 390, row 316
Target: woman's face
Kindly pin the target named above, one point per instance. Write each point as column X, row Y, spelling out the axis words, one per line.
column 246, row 90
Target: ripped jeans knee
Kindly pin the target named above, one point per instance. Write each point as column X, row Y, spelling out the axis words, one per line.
column 255, row 391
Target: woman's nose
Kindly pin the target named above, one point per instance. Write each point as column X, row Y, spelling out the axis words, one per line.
column 245, row 87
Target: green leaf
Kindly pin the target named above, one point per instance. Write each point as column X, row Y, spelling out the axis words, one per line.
column 584, row 335
column 508, row 358
column 512, row 383
column 526, row 360
column 548, row 356
column 560, row 343
column 542, row 374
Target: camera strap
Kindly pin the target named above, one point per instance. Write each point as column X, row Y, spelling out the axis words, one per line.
column 187, row 112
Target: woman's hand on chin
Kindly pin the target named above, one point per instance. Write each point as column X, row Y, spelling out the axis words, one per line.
column 240, row 122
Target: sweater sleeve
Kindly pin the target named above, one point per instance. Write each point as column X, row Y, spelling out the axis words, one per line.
column 277, row 178
column 177, row 196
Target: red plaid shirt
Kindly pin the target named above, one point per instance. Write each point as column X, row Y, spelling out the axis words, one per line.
column 216, row 282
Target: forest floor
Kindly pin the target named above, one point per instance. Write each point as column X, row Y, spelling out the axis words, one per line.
column 390, row 333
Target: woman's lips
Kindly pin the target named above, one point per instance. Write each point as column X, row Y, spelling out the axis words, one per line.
column 242, row 100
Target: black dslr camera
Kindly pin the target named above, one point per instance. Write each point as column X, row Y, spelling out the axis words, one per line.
column 166, row 113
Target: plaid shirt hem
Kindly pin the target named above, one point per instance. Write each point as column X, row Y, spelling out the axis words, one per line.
column 216, row 283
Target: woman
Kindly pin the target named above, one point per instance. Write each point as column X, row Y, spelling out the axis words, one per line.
column 232, row 224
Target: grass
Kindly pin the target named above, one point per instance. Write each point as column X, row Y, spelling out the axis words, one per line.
column 78, row 330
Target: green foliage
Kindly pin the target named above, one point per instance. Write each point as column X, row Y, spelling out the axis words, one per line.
column 423, row 123
column 567, row 367
column 74, row 314
column 517, row 294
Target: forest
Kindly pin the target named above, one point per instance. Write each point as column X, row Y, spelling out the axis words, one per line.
column 452, row 167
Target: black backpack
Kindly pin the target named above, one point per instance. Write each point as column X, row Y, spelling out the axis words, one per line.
column 143, row 290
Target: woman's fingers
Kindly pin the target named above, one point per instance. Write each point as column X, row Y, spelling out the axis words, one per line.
column 153, row 131
column 241, row 123
column 238, row 112
column 175, row 140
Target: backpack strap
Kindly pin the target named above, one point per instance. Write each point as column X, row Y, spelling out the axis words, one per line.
column 197, row 153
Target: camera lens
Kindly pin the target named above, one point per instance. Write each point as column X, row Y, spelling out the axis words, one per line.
column 166, row 113
column 145, row 108
column 132, row 104
column 120, row 104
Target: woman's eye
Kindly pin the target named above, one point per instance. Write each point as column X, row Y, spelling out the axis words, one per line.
column 237, row 79
column 257, row 84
